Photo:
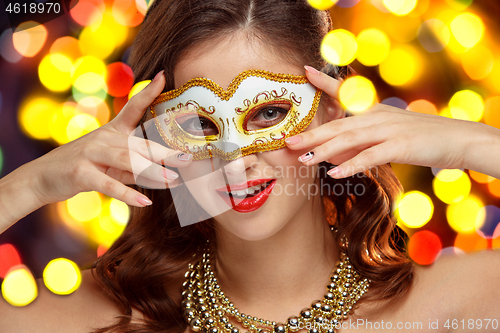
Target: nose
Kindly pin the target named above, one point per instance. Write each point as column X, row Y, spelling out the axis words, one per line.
column 240, row 166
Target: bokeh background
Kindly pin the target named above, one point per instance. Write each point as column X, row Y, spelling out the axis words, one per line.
column 66, row 77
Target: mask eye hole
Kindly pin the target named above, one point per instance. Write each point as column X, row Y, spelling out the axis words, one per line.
column 267, row 115
column 197, row 125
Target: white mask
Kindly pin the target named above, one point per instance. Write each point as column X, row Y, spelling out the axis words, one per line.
column 256, row 113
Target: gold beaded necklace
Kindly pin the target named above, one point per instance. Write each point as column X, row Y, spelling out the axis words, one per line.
column 207, row 308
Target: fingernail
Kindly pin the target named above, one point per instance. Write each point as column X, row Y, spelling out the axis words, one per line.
column 293, row 140
column 144, row 200
column 160, row 73
column 184, row 157
column 169, row 174
column 335, row 171
column 311, row 70
column 306, row 157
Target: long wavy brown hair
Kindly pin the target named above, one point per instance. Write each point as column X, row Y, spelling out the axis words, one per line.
column 145, row 266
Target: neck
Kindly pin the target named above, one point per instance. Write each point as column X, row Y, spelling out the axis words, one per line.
column 277, row 277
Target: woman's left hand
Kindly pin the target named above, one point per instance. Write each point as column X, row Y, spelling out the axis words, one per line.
column 386, row 134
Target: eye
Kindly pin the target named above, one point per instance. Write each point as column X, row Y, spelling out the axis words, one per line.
column 267, row 116
column 197, row 125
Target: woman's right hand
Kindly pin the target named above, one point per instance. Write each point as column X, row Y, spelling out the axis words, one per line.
column 108, row 158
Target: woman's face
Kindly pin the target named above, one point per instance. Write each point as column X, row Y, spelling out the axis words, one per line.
column 283, row 186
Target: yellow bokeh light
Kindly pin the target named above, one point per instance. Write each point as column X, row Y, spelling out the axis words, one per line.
column 480, row 177
column 322, row 4
column 339, row 47
column 95, row 107
column 466, row 105
column 84, row 206
column 81, row 124
column 19, row 287
column 35, row 116
column 119, row 211
column 105, row 230
column 62, row 276
column 89, row 74
column 414, row 209
column 434, row 35
column 402, row 29
column 400, row 7
column 459, row 4
column 402, row 66
column 468, row 29
column 59, row 121
column 491, row 113
column 137, row 88
column 29, row 38
column 465, row 216
column 373, row 47
column 54, row 72
column 357, row 94
column 451, row 185
column 478, row 62
column 97, row 42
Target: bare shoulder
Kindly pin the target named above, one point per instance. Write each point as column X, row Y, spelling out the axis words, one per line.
column 82, row 311
column 467, row 285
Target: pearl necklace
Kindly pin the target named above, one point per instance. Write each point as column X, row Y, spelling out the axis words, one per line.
column 206, row 307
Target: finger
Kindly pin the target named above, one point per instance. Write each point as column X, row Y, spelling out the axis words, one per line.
column 156, row 152
column 115, row 189
column 366, row 159
column 128, row 178
column 128, row 160
column 323, row 81
column 128, row 118
column 357, row 139
column 325, row 132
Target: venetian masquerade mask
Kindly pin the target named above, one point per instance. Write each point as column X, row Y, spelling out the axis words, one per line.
column 256, row 113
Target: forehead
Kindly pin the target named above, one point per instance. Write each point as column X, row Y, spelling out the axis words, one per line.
column 222, row 60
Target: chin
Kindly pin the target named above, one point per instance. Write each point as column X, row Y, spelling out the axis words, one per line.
column 252, row 230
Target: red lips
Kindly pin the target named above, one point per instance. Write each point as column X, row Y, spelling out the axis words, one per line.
column 250, row 202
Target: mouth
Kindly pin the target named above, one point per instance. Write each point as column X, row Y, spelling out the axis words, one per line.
column 247, row 197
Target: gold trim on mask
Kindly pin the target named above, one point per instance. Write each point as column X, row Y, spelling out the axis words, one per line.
column 259, row 144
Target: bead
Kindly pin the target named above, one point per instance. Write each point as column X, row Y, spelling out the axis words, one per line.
column 245, row 323
column 210, row 321
column 187, row 304
column 205, row 314
column 189, row 314
column 319, row 319
column 306, row 313
column 293, row 322
column 235, row 330
column 329, row 296
column 332, row 286
column 213, row 330
column 326, row 308
column 228, row 326
column 279, row 328
column 224, row 319
column 314, row 330
column 316, row 305
column 338, row 312
column 195, row 324
column 335, row 277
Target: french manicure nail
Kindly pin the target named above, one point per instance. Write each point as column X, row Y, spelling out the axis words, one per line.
column 311, row 70
column 184, row 157
column 169, row 174
column 157, row 76
column 143, row 200
column 293, row 140
column 335, row 171
column 306, row 157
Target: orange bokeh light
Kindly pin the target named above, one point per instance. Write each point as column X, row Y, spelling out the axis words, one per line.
column 424, row 246
column 422, row 106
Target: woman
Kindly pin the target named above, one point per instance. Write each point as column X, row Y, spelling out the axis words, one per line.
column 273, row 259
